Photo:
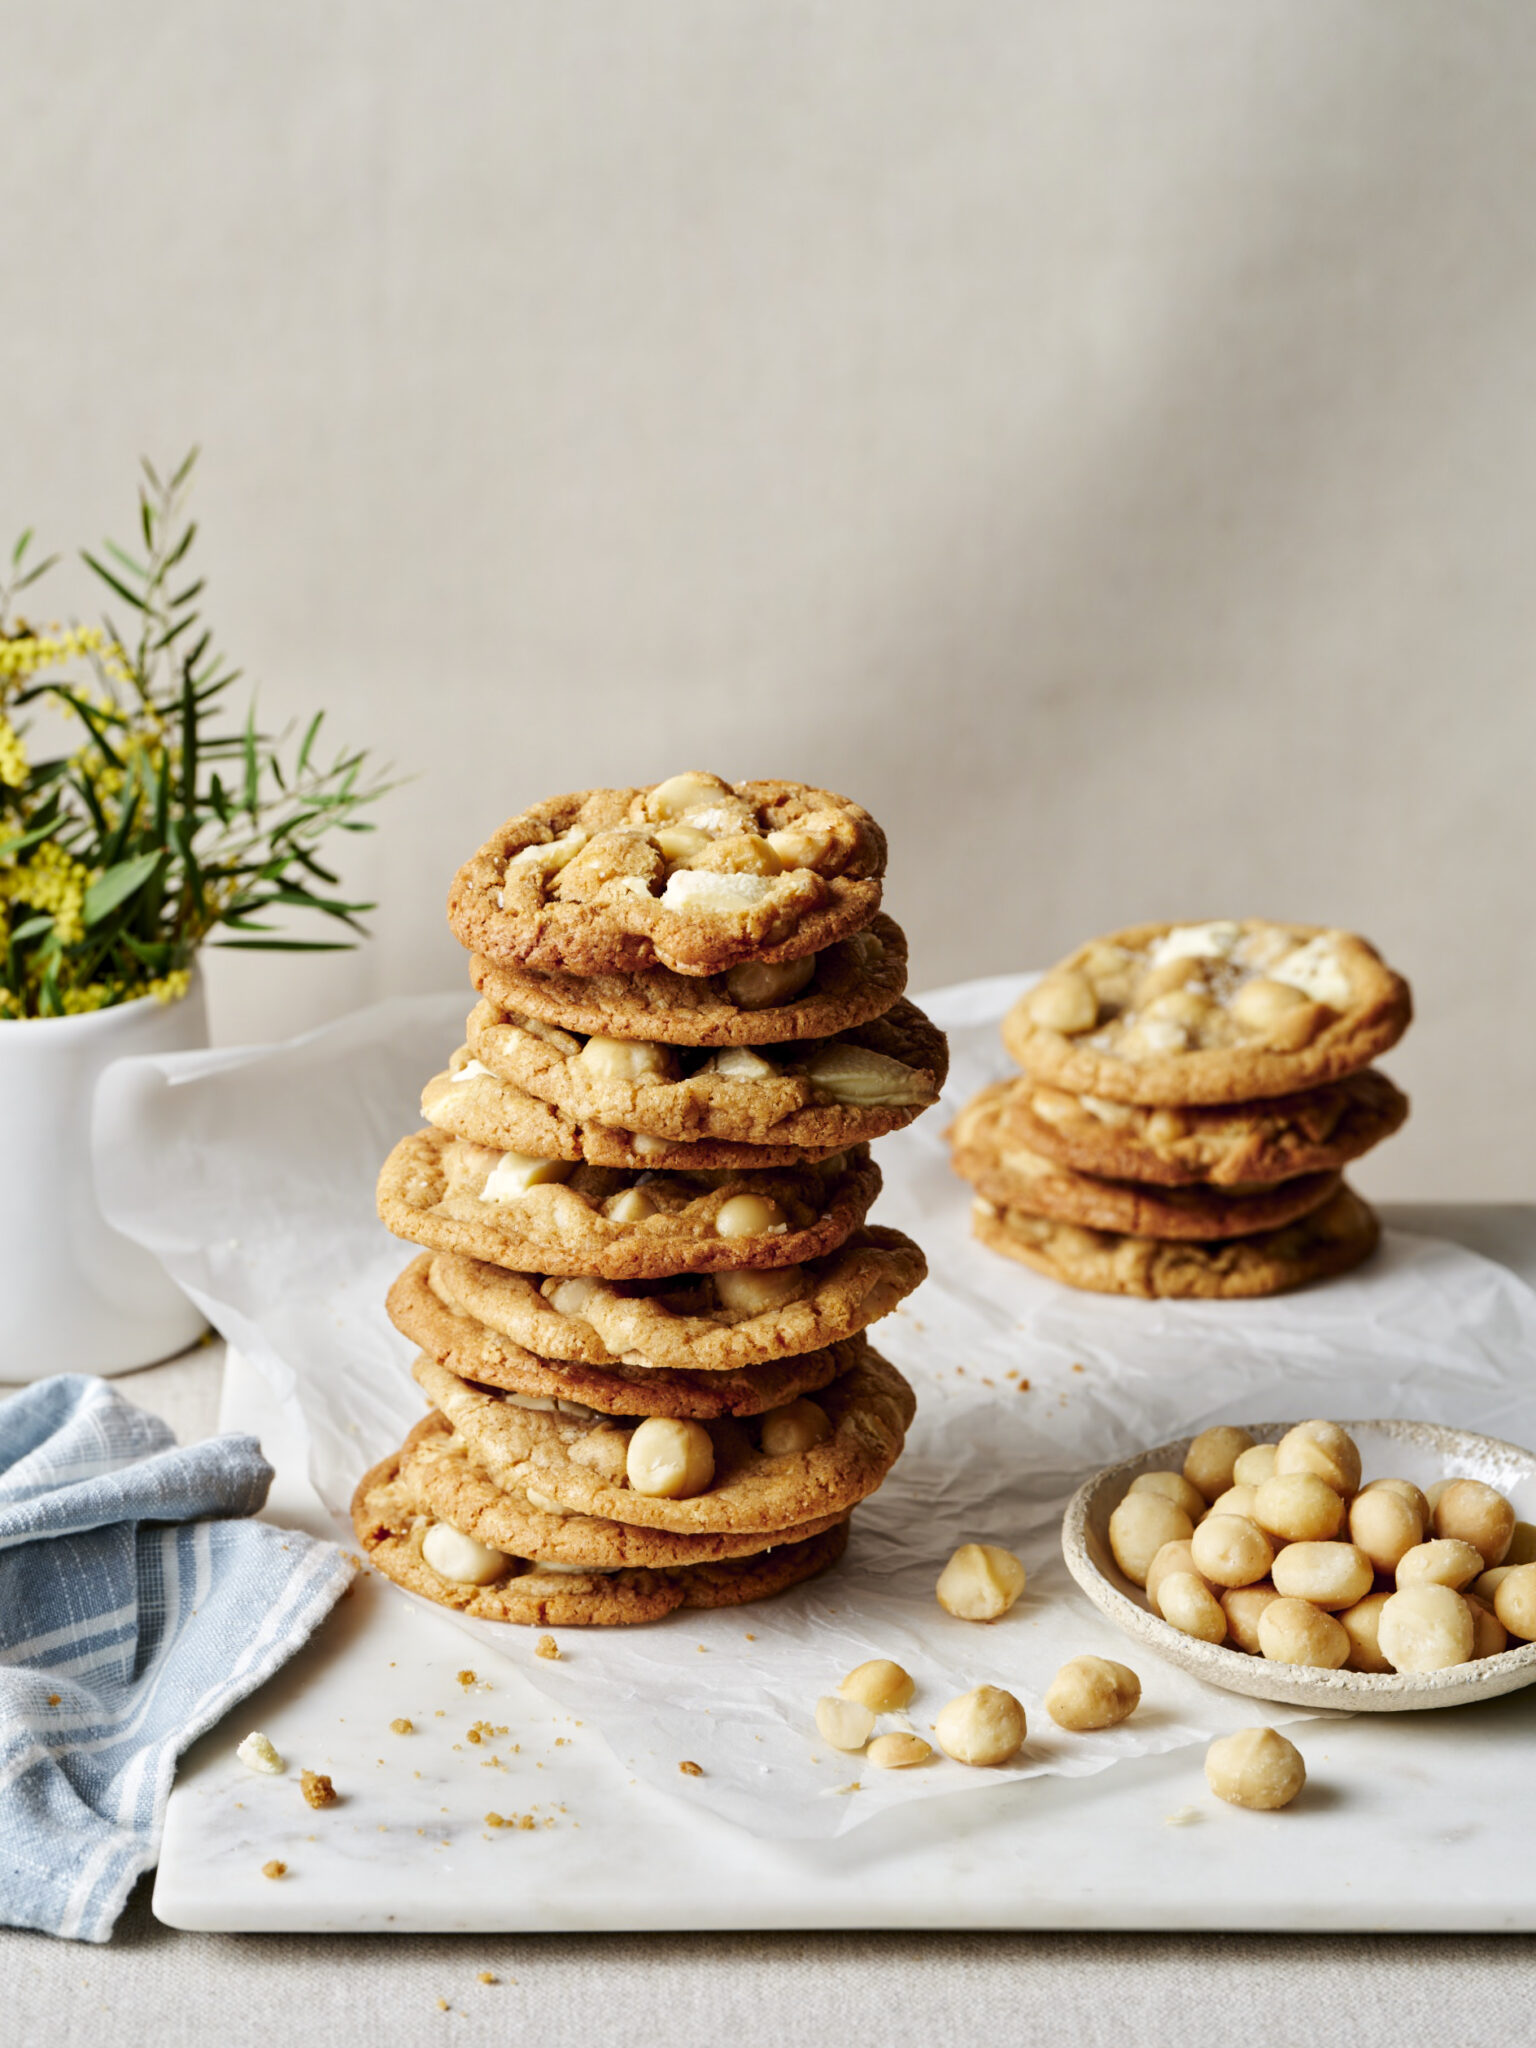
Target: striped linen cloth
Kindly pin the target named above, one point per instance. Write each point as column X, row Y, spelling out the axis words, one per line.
column 137, row 1605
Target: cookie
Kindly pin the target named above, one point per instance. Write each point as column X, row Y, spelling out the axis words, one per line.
column 705, row 1323
column 474, row 1351
column 1317, row 1131
column 391, row 1534
column 832, row 1091
column 695, row 874
column 469, row 1101
column 1014, row 1178
column 1341, row 1234
column 574, row 1466
column 439, row 1477
column 758, row 1003
column 1224, row 1012
column 602, row 1222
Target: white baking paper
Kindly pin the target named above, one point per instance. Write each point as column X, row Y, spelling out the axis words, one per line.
column 251, row 1174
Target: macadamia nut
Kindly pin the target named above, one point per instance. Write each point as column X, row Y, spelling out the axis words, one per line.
column 1427, row 1627
column 1187, row 1603
column 1490, row 1638
column 1470, row 1512
column 453, row 1555
column 1298, row 1507
column 1328, row 1574
column 1295, row 1632
column 1362, row 1624
column 1210, row 1459
column 880, row 1685
column 1229, row 1550
column 1173, row 1557
column 1515, row 1602
column 846, row 1724
column 1385, row 1526
column 1442, row 1562
column 983, row 1727
column 795, row 1427
column 1092, row 1692
column 670, row 1460
column 1323, row 1448
column 1256, row 1768
column 1138, row 1529
column 1173, row 1486
column 1255, row 1465
column 1243, row 1605
column 749, row 1216
column 980, row 1582
column 1237, row 1500
column 898, row 1752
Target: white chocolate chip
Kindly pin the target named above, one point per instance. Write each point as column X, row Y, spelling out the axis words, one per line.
column 1212, row 941
column 715, row 894
column 1317, row 971
column 472, row 1070
column 516, row 1172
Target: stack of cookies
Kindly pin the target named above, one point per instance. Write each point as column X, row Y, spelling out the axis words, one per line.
column 1190, row 1095
column 641, row 1192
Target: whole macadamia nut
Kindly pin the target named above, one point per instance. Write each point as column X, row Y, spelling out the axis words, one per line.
column 1237, row 1500
column 1470, row 1512
column 1298, row 1507
column 1255, row 1465
column 880, row 1685
column 1187, row 1603
column 1256, row 1767
column 1385, row 1526
column 1522, row 1545
column 983, row 1727
column 1242, row 1605
column 1210, row 1458
column 1405, row 1490
column 1426, row 1627
column 1229, row 1550
column 1138, row 1529
column 1490, row 1638
column 1323, row 1448
column 1172, row 1486
column 1092, row 1692
column 1296, row 1632
column 982, row 1581
column 1515, row 1602
column 1444, row 1561
column 1328, row 1574
column 1362, row 1624
column 1173, row 1557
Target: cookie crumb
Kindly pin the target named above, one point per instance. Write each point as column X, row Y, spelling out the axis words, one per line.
column 318, row 1789
column 257, row 1754
column 487, row 1977
column 443, row 2005
column 466, row 1679
column 54, row 1698
column 546, row 1646
column 691, row 1770
column 274, row 1869
column 495, row 1820
column 854, row 1787
column 1079, row 1368
column 401, row 1726
column 1023, row 1386
column 750, row 1637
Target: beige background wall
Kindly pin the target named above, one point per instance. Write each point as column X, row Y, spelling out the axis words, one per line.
column 1100, row 436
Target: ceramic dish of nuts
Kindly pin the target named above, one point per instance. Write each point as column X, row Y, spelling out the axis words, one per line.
column 1395, row 1458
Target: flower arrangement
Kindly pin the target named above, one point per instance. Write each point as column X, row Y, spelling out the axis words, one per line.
column 157, row 821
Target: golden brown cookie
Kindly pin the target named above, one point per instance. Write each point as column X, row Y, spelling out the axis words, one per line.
column 758, row 1003
column 580, row 1467
column 703, row 1323
column 1341, row 1234
column 600, row 1221
column 469, row 1101
column 439, row 1477
column 1221, row 1012
column 1317, row 1131
column 695, row 874
column 392, row 1532
column 1012, row 1177
column 474, row 1351
column 833, row 1091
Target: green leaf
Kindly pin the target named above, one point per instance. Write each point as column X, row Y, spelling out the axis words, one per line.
column 180, row 549
column 21, row 547
column 38, row 569
column 111, row 581
column 124, row 560
column 118, row 884
column 186, row 466
column 287, row 945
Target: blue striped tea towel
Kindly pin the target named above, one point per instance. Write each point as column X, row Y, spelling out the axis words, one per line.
column 133, row 1613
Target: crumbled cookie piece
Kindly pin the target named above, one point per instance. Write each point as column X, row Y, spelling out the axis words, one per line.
column 402, row 1726
column 487, row 1977
column 467, row 1679
column 691, row 1770
column 274, row 1869
column 546, row 1646
column 318, row 1789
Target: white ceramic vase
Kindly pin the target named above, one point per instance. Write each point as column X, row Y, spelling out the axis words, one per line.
column 79, row 1296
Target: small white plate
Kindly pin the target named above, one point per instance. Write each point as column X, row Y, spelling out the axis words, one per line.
column 1420, row 1451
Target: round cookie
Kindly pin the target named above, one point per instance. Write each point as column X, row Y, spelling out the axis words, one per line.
column 695, row 873
column 439, row 1477
column 391, row 1535
column 1224, row 1145
column 1012, row 1177
column 474, row 1351
column 469, row 1101
column 432, row 1192
column 849, row 983
column 834, row 1091
column 579, row 1466
column 682, row 1323
column 1222, row 1012
column 1339, row 1235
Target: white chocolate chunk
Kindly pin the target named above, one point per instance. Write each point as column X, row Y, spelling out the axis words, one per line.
column 1317, row 971
column 472, row 1070
column 453, row 1555
column 716, row 895
column 1212, row 941
column 516, row 1172
column 258, row 1754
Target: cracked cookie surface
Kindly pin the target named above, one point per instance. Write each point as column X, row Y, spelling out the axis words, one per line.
column 580, row 1467
column 848, row 983
column 1223, row 1012
column 603, row 1222
column 704, row 1323
column 391, row 1531
column 475, row 1351
column 1341, row 1234
column 828, row 1092
column 1276, row 1139
column 1013, row 1177
column 695, row 874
